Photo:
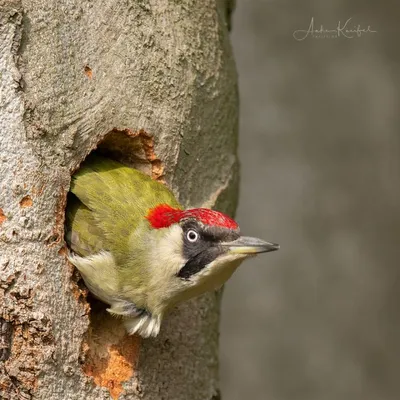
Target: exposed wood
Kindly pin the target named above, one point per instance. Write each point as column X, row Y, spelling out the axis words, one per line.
column 71, row 72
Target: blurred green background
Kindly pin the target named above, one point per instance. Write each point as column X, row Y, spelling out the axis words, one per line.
column 319, row 147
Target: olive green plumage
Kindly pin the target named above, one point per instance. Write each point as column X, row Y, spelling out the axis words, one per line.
column 135, row 267
column 106, row 213
column 109, row 202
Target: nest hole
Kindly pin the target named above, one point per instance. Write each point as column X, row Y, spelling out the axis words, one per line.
column 109, row 355
column 134, row 149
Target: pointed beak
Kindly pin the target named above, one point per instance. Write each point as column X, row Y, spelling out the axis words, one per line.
column 249, row 245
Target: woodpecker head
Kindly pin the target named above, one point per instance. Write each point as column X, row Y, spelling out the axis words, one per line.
column 139, row 252
column 198, row 250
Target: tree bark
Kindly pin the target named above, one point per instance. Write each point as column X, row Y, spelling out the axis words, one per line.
column 71, row 72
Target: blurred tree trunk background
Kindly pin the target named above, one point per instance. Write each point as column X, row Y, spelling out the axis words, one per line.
column 160, row 73
column 320, row 167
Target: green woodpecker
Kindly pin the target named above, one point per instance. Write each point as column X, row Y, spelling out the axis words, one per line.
column 139, row 251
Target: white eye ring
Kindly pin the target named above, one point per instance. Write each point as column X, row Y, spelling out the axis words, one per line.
column 192, row 236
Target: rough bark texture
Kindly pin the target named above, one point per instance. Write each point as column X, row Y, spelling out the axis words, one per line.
column 71, row 72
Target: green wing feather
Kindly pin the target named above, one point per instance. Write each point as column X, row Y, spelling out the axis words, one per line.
column 108, row 202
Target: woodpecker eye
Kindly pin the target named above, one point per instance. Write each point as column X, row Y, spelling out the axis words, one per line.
column 192, row 236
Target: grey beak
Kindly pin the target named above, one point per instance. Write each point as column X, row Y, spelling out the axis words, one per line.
column 249, row 245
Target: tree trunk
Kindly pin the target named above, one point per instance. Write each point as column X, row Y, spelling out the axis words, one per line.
column 157, row 80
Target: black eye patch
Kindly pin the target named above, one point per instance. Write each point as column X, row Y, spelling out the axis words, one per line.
column 199, row 261
column 217, row 234
column 205, row 249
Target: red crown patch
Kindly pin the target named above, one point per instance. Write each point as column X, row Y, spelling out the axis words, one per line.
column 164, row 215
